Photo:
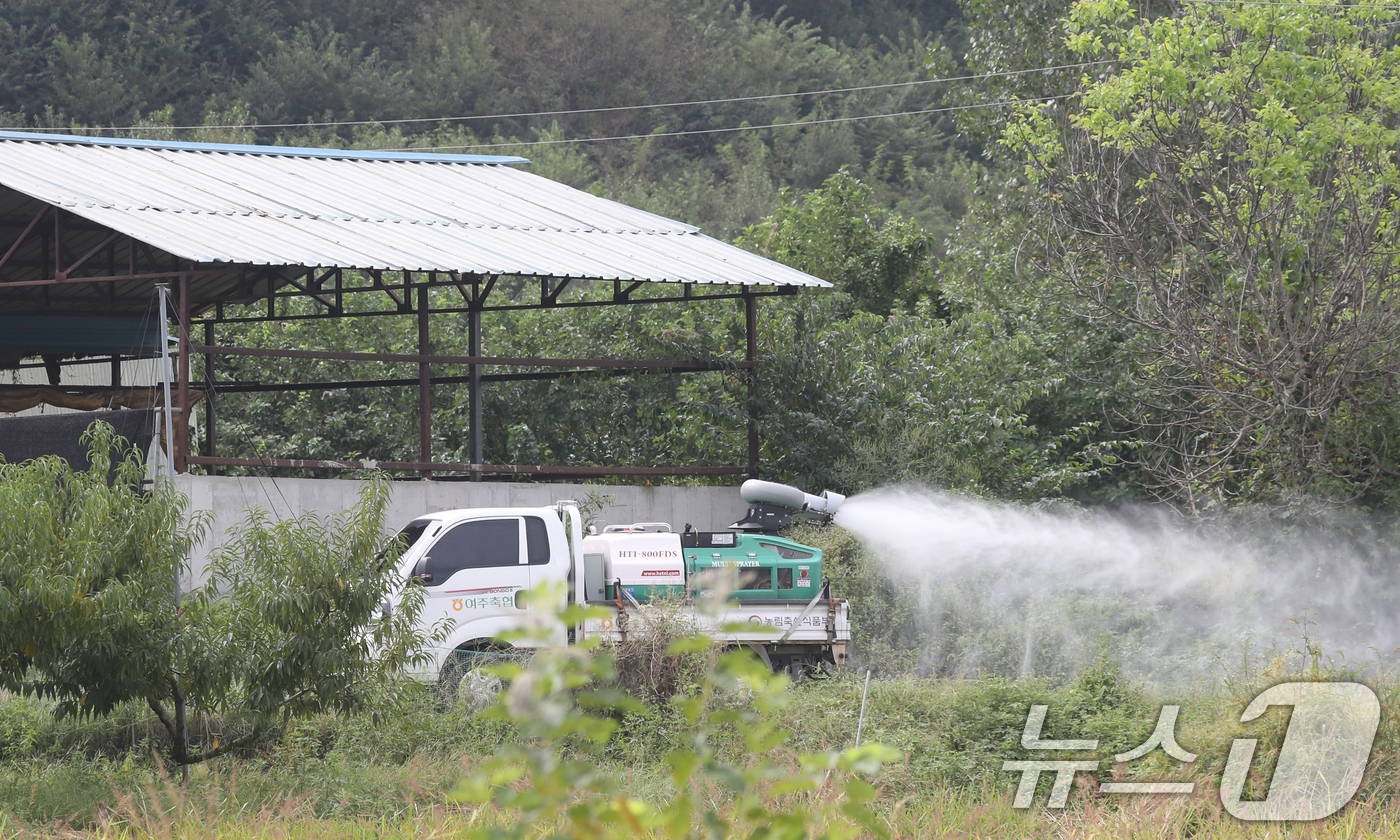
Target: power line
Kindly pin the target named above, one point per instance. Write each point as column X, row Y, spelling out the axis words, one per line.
column 755, row 98
column 735, row 128
column 1356, row 7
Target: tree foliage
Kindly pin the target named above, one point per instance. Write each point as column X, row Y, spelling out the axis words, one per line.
column 288, row 622
column 1226, row 202
column 89, row 572
column 1195, row 271
column 851, row 401
column 839, row 233
column 314, row 74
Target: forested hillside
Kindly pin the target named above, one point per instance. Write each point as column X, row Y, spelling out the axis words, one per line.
column 1141, row 251
column 447, row 70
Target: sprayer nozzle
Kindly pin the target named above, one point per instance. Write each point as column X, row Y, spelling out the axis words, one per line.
column 755, row 492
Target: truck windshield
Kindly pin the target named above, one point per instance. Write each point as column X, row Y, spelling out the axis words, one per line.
column 405, row 539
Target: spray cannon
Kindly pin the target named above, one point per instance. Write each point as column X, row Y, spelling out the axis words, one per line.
column 773, row 505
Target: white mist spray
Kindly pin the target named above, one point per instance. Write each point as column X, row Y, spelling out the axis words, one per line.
column 998, row 588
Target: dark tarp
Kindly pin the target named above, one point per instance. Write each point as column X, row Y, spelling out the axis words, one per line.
column 22, row 336
column 26, row 438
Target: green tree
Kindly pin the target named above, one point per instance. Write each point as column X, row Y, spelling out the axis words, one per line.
column 1039, row 335
column 288, row 623
column 453, row 63
column 852, row 401
column 1225, row 203
column 840, row 234
column 853, row 21
column 144, row 55
column 87, row 85
column 1006, row 39
column 314, row 73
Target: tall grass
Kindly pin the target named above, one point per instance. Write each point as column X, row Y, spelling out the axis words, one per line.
column 168, row 811
column 390, row 776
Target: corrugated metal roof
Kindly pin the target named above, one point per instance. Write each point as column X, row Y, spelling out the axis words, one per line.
column 265, row 205
column 287, row 151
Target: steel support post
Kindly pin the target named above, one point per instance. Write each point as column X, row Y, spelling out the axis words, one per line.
column 474, row 449
column 57, row 243
column 211, row 448
column 751, row 356
column 182, row 432
column 425, row 385
column 167, row 447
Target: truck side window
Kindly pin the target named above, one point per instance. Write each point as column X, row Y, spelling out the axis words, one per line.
column 483, row 544
column 405, row 539
column 756, row 579
column 787, row 553
column 536, row 541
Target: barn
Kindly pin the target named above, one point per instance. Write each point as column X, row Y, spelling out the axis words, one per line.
column 117, row 250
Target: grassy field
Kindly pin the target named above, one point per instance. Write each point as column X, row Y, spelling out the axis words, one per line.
column 392, row 774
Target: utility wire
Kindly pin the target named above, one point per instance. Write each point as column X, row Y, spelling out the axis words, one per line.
column 1356, row 7
column 613, row 108
column 735, row 128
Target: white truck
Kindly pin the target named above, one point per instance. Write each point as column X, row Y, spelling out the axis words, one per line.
column 473, row 565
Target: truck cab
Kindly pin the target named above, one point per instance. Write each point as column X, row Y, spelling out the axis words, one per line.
column 474, row 563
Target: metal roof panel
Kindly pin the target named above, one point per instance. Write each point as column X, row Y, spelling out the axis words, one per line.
column 281, row 151
column 322, row 208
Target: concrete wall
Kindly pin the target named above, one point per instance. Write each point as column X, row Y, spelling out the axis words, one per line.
column 707, row 508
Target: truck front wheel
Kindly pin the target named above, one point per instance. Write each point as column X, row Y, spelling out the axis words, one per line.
column 464, row 680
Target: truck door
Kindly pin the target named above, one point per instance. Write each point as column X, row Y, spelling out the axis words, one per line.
column 538, row 553
column 471, row 573
column 549, row 566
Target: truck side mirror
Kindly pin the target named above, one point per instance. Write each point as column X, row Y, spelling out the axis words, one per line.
column 421, row 574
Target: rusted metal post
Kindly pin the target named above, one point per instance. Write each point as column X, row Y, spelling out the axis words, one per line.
column 182, row 432
column 474, row 430
column 167, row 443
column 751, row 356
column 57, row 243
column 210, row 421
column 425, row 385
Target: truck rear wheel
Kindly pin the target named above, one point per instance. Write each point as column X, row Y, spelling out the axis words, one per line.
column 800, row 667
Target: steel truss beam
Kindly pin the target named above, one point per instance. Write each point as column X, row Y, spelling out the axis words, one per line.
column 428, row 358
column 459, row 310
column 492, row 469
column 532, row 376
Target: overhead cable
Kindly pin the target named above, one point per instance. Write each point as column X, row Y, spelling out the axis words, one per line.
column 1355, row 7
column 697, row 131
column 755, row 98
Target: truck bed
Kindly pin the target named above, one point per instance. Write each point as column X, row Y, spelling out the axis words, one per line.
column 776, row 630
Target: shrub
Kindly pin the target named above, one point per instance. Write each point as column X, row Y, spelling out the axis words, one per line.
column 288, row 623
column 563, row 703
column 649, row 666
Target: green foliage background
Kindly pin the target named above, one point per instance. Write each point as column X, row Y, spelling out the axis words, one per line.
column 957, row 348
column 880, row 381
